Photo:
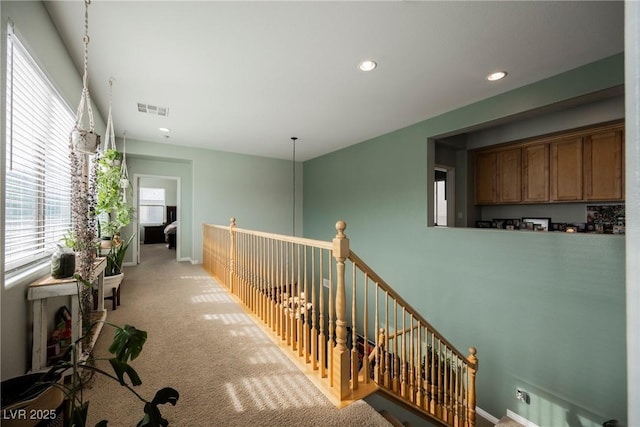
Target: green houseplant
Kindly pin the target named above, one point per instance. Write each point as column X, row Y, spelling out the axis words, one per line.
column 126, row 346
column 111, row 186
column 115, row 256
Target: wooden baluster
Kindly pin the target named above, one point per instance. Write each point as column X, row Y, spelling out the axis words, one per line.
column 419, row 380
column 354, row 334
column 387, row 359
column 445, row 385
column 299, row 308
column 471, row 393
column 314, row 307
column 272, row 285
column 304, row 311
column 331, row 322
column 264, row 281
column 323, row 337
column 403, row 361
column 280, row 291
column 340, row 371
column 232, row 252
column 396, row 356
column 411, row 363
column 382, row 358
column 365, row 326
column 433, row 397
column 377, row 378
column 457, row 401
column 290, row 295
column 439, row 373
column 253, row 285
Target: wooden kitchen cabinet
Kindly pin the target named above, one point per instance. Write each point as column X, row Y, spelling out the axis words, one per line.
column 604, row 166
column 566, row 170
column 535, row 173
column 575, row 166
column 486, row 173
column 509, row 179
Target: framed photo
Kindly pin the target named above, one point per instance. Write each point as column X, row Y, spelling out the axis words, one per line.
column 558, row 226
column 539, row 224
column 483, row 224
column 506, row 223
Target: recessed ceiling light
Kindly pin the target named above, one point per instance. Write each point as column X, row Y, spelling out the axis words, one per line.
column 498, row 75
column 367, row 65
column 164, row 130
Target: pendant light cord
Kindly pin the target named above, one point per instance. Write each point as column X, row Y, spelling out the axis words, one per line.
column 293, row 138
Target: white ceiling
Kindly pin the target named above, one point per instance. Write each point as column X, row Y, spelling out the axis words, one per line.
column 246, row 76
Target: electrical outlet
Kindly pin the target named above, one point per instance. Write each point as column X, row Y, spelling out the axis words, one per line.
column 522, row 396
column 326, row 283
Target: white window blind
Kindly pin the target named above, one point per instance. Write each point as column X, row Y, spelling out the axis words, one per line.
column 152, row 205
column 37, row 170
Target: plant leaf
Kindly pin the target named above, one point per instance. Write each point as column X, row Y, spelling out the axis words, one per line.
column 166, row 395
column 122, row 368
column 152, row 417
column 127, row 343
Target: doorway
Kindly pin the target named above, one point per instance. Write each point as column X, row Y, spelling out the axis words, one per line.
column 157, row 202
column 444, row 196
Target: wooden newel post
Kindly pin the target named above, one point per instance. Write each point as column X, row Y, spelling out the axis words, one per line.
column 232, row 252
column 341, row 357
column 471, row 398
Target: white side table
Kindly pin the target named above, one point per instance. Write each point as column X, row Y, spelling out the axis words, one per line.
column 49, row 287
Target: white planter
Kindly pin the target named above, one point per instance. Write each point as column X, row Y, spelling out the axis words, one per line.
column 111, row 282
column 85, row 141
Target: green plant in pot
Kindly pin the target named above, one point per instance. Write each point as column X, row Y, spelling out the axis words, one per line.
column 110, row 194
column 115, row 256
column 21, row 393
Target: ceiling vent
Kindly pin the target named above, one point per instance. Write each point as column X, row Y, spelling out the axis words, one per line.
column 153, row 109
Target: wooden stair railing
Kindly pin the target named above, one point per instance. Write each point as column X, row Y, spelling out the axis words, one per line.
column 323, row 303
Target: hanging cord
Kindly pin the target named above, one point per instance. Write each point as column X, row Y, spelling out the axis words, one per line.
column 124, row 177
column 110, row 139
column 125, row 172
column 85, row 98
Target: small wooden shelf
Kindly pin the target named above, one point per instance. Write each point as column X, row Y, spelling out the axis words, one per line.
column 48, row 287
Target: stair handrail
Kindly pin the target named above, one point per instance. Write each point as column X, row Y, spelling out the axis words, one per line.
column 233, row 263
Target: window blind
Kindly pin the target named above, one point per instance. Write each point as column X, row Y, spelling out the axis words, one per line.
column 37, row 169
column 152, row 205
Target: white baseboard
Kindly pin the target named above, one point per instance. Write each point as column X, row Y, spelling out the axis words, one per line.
column 522, row 420
column 487, row 416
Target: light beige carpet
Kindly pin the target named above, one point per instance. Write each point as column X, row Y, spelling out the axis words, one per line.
column 202, row 343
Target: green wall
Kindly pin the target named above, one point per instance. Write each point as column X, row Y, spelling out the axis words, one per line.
column 546, row 311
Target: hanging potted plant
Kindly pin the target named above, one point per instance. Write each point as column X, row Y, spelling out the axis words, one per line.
column 110, row 196
column 83, row 140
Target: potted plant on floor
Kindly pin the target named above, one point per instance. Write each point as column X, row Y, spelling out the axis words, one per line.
column 113, row 274
column 45, row 393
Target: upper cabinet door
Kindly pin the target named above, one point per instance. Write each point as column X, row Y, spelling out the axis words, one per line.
column 485, row 179
column 566, row 170
column 604, row 166
column 535, row 173
column 509, row 176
